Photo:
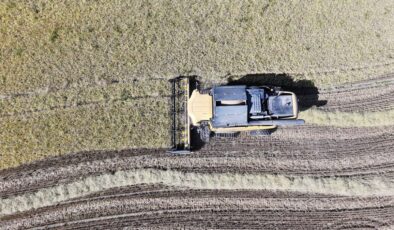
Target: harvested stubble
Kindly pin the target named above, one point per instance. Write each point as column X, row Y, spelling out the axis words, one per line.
column 32, row 182
column 348, row 119
column 159, row 206
column 377, row 186
column 367, row 155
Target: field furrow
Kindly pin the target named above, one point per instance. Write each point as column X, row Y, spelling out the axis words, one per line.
column 182, row 207
column 285, row 152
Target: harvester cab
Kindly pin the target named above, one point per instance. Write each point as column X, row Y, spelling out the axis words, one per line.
column 227, row 111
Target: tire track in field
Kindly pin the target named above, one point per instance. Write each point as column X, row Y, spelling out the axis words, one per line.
column 68, row 168
column 293, row 151
column 186, row 206
column 361, row 187
column 83, row 105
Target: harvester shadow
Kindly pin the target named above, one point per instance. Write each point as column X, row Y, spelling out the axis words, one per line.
column 306, row 91
column 196, row 141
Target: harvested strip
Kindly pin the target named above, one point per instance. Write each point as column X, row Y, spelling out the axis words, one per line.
column 52, row 163
column 188, row 204
column 377, row 103
column 215, row 218
column 68, row 168
column 323, row 156
column 162, row 191
column 377, row 186
column 364, row 96
column 316, row 132
column 323, row 168
column 378, row 97
column 343, row 119
column 365, row 166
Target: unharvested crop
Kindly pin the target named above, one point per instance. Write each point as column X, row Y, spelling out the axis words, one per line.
column 74, row 44
column 122, row 124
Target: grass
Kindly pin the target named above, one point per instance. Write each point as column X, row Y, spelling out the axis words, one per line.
column 335, row 186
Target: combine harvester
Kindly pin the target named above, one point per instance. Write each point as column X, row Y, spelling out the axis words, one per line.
column 226, row 111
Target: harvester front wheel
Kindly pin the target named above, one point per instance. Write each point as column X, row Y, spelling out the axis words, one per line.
column 205, row 91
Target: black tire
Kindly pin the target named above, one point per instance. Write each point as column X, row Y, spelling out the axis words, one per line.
column 205, row 91
column 259, row 133
column 204, row 132
column 277, row 88
column 227, row 134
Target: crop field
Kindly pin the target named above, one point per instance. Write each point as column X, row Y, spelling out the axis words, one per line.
column 85, row 123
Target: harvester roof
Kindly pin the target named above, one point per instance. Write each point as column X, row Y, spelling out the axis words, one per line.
column 230, row 106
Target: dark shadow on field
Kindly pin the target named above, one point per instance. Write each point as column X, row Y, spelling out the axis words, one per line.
column 306, row 91
column 196, row 142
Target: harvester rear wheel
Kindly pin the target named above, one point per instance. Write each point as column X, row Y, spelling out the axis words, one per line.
column 228, row 134
column 205, row 91
column 204, row 132
column 258, row 133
